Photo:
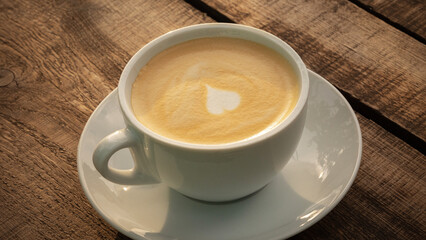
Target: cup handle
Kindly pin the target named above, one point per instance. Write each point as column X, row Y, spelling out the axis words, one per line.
column 120, row 139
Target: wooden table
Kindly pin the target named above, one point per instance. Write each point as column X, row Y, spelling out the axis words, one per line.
column 59, row 59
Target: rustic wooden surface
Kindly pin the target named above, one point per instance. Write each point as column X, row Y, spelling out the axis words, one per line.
column 409, row 13
column 59, row 59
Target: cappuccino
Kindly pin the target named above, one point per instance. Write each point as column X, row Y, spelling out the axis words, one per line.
column 214, row 91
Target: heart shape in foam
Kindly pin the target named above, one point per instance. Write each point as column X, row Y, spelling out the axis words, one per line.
column 219, row 101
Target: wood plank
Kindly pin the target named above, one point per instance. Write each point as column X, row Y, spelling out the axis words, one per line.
column 63, row 57
column 66, row 57
column 360, row 54
column 409, row 13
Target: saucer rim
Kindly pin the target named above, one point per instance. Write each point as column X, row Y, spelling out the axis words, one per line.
column 284, row 235
column 355, row 170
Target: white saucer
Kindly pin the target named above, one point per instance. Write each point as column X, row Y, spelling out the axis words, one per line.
column 311, row 184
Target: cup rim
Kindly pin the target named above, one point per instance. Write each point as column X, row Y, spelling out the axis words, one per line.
column 301, row 69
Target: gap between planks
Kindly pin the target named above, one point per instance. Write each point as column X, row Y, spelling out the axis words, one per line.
column 385, row 19
column 365, row 110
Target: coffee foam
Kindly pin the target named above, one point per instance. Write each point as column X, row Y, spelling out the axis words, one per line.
column 214, row 90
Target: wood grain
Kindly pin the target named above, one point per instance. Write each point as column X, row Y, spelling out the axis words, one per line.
column 59, row 59
column 65, row 57
column 360, row 54
column 409, row 13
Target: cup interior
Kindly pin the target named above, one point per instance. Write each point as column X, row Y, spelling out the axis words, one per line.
column 144, row 55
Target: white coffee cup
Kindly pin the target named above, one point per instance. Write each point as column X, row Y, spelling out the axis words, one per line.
column 220, row 172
